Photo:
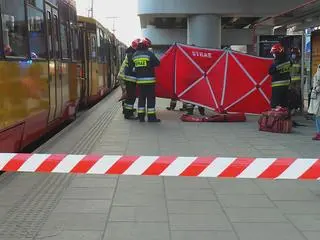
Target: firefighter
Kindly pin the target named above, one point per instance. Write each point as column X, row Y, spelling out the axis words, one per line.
column 296, row 79
column 144, row 63
column 280, row 72
column 122, row 84
column 130, row 82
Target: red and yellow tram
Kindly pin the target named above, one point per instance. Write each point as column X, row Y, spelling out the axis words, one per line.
column 51, row 63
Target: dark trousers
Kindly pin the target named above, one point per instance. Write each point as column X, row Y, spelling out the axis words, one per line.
column 173, row 104
column 279, row 96
column 131, row 98
column 147, row 97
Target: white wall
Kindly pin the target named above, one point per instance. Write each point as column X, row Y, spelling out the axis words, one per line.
column 169, row 36
column 165, row 36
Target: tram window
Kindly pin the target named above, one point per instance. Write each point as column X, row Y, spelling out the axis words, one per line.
column 100, row 46
column 36, row 33
column 14, row 28
column 64, row 40
column 49, row 21
column 93, row 47
column 75, row 40
column 55, row 36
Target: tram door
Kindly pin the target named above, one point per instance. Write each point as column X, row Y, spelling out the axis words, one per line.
column 54, row 66
column 84, row 67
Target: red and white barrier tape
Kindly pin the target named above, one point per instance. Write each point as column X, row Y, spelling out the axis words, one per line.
column 217, row 167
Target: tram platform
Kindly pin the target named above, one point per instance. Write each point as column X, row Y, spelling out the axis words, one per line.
column 88, row 207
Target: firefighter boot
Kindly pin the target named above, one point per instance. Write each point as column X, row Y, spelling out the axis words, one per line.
column 123, row 108
column 173, row 104
column 141, row 117
column 129, row 115
column 153, row 118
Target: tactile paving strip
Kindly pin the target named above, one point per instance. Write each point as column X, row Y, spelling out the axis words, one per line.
column 27, row 216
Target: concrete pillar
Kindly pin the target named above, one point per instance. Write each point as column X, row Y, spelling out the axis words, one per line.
column 204, row 31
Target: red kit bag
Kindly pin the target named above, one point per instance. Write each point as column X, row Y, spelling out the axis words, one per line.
column 276, row 120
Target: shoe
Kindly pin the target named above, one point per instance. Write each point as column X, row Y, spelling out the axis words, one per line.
column 153, row 119
column 316, row 137
column 132, row 117
column 141, row 117
column 169, row 109
column 156, row 120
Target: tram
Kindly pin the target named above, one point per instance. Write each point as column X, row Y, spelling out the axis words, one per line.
column 52, row 63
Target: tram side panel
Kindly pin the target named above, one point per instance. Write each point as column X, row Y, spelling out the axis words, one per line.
column 24, row 103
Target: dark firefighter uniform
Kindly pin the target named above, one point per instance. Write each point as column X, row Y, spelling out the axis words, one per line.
column 296, row 74
column 130, row 82
column 280, row 72
column 145, row 63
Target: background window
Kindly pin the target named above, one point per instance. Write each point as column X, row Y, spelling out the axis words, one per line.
column 64, row 40
column 14, row 28
column 49, row 30
column 75, row 49
column 93, row 47
column 36, row 33
column 55, row 36
column 36, row 3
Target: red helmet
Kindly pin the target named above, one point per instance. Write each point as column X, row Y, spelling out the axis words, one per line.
column 146, row 42
column 135, row 43
column 277, row 49
column 296, row 51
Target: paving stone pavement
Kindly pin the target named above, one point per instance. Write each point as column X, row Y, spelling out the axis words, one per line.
column 176, row 208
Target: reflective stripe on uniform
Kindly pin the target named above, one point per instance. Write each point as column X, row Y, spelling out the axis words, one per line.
column 281, row 83
column 296, row 78
column 284, row 67
column 141, row 56
column 141, row 110
column 128, row 106
column 296, row 72
column 145, row 80
column 129, row 78
column 151, row 111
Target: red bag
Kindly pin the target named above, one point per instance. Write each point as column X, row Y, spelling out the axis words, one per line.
column 190, row 118
column 229, row 117
column 277, row 120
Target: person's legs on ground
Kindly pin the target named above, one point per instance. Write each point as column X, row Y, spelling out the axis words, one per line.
column 129, row 104
column 318, row 124
column 173, row 104
column 151, row 104
column 142, row 102
column 317, row 137
column 123, row 108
